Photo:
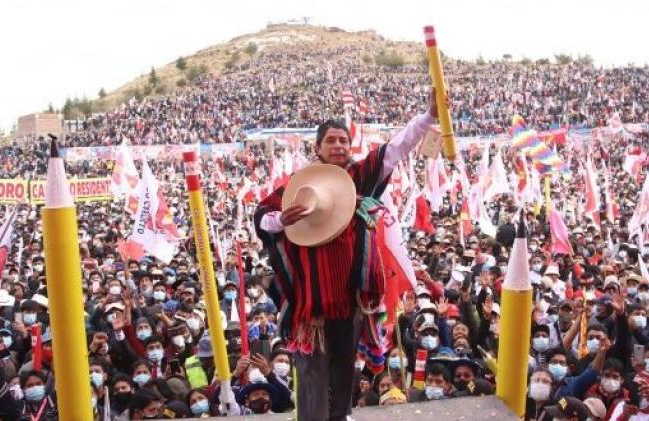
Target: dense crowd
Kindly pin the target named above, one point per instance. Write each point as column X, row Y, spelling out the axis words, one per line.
column 303, row 86
column 150, row 354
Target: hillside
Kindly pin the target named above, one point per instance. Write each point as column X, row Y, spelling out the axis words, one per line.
column 240, row 52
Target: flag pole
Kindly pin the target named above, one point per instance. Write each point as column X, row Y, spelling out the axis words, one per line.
column 202, row 242
column 63, row 262
column 436, row 72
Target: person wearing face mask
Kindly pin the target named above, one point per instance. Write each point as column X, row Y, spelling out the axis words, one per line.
column 98, row 381
column 256, row 398
column 540, row 344
column 438, row 385
column 198, row 403
column 394, row 362
column 155, row 355
column 37, row 402
column 179, row 342
column 230, row 294
column 259, row 299
column 122, row 392
column 8, row 354
column 597, row 335
column 610, row 389
column 281, row 363
column 560, row 364
column 539, row 394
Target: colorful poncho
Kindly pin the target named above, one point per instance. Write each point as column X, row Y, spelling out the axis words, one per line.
column 331, row 281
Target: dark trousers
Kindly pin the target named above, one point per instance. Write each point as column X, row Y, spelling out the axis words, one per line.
column 325, row 381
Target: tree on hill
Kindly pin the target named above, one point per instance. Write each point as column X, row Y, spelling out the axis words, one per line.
column 181, row 64
column 480, row 61
column 50, row 108
column 526, row 61
column 153, row 77
column 585, row 60
column 195, row 71
column 389, row 59
column 251, row 49
column 563, row 59
column 507, row 57
column 102, row 93
column 543, row 61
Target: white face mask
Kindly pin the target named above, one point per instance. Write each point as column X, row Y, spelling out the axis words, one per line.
column 610, row 385
column 179, row 341
column 115, row 290
column 539, row 391
column 282, row 369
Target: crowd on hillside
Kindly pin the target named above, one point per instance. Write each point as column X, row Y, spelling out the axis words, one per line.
column 150, row 354
column 303, row 86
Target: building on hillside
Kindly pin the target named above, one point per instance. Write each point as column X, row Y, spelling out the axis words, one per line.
column 39, row 124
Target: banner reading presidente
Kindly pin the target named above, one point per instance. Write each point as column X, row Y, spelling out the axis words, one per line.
column 33, row 191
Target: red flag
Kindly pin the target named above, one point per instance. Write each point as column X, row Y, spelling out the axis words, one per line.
column 245, row 348
column 37, row 347
column 423, row 216
column 396, row 278
column 465, row 218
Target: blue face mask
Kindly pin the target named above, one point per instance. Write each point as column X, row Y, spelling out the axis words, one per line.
column 200, row 407
column 632, row 291
column 141, row 379
column 29, row 318
column 35, row 393
column 429, row 342
column 593, row 345
column 558, row 371
column 434, row 392
column 541, row 344
column 143, row 334
column 230, row 295
column 97, row 379
column 155, row 355
column 159, row 295
column 394, row 363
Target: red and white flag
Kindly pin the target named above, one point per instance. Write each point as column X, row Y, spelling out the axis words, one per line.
column 592, row 192
column 154, row 229
column 633, row 162
column 6, row 232
column 612, row 208
column 348, row 99
column 125, row 178
column 397, row 266
column 641, row 213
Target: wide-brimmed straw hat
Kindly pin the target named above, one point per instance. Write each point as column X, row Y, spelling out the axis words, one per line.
column 329, row 195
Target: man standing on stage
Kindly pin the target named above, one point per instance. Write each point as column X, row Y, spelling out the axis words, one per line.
column 324, row 287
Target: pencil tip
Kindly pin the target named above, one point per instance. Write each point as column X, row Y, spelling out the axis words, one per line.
column 54, row 149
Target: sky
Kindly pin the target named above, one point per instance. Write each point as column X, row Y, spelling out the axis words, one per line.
column 52, row 50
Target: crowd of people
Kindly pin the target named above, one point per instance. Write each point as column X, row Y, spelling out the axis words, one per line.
column 303, row 86
column 150, row 353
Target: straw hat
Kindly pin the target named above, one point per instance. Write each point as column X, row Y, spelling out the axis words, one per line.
column 329, row 195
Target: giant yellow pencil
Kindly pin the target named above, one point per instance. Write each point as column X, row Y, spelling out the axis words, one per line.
column 201, row 238
column 515, row 327
column 437, row 77
column 61, row 246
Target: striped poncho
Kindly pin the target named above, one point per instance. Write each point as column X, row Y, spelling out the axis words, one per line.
column 330, row 281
